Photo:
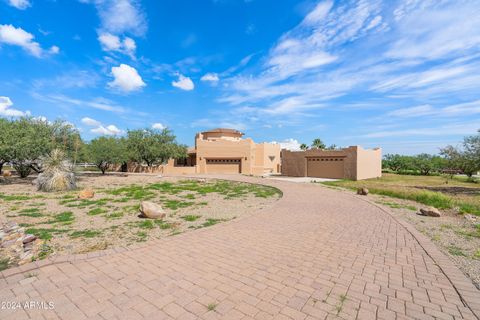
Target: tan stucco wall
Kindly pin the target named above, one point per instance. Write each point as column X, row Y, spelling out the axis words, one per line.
column 255, row 158
column 369, row 163
column 170, row 168
column 267, row 157
column 358, row 163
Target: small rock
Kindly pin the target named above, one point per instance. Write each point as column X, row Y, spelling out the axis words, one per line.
column 471, row 218
column 430, row 212
column 29, row 238
column 28, row 247
column 202, row 180
column 362, row 191
column 151, row 210
column 86, row 194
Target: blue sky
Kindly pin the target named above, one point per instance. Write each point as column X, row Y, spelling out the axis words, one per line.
column 402, row 75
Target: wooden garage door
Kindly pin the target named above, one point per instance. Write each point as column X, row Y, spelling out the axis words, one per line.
column 325, row 167
column 223, row 166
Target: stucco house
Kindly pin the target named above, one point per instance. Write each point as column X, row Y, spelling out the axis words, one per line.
column 354, row 163
column 226, row 151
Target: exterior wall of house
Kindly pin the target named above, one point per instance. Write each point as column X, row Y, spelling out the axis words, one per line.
column 369, row 163
column 355, row 162
column 267, row 158
column 224, row 149
column 171, row 168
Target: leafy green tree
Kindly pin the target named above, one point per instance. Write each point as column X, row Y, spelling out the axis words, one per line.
column 106, row 151
column 32, row 138
column 6, row 142
column 153, row 146
column 426, row 163
column 304, row 146
column 396, row 162
column 466, row 158
column 318, row 144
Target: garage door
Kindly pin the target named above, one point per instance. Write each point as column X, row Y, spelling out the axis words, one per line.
column 223, row 166
column 325, row 167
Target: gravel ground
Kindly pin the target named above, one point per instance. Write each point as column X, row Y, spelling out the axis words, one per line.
column 111, row 217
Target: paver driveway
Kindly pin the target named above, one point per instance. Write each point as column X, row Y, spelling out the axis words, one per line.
column 315, row 254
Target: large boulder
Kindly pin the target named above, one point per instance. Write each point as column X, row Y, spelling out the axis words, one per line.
column 151, row 210
column 362, row 191
column 430, row 212
column 86, row 194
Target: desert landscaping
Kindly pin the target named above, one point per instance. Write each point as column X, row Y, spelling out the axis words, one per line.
column 38, row 224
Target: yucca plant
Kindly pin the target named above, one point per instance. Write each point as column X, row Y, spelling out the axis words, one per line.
column 58, row 173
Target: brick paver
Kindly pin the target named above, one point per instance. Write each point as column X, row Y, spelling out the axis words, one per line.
column 315, row 254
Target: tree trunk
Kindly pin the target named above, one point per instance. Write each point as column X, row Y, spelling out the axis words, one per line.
column 1, row 166
column 102, row 166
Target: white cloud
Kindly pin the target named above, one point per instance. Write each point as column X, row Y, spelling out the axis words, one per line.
column 184, row 83
column 429, row 30
column 158, row 126
column 129, row 46
column 110, row 130
column 289, row 144
column 120, row 16
column 213, row 77
column 91, row 122
column 126, row 78
column 54, row 50
column 456, row 110
column 7, row 111
column 19, row 4
column 111, row 42
column 21, row 38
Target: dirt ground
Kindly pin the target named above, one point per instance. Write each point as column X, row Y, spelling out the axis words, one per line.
column 454, row 235
column 70, row 225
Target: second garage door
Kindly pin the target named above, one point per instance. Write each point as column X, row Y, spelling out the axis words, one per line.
column 325, row 167
column 228, row 166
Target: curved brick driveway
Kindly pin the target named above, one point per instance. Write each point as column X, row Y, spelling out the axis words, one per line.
column 315, row 254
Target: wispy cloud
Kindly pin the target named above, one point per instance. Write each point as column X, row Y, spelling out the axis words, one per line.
column 414, row 55
column 97, row 103
column 120, row 16
column 19, row 4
